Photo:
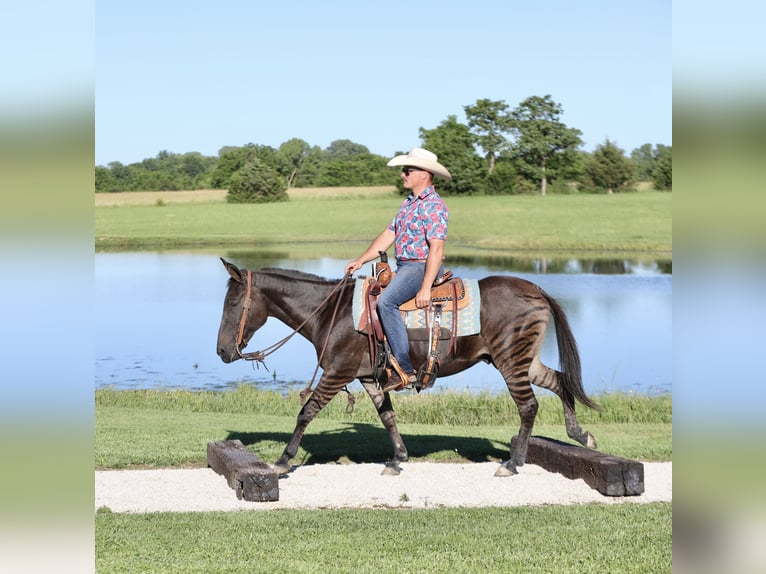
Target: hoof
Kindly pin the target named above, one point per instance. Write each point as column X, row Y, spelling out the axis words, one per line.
column 391, row 469
column 590, row 442
column 503, row 470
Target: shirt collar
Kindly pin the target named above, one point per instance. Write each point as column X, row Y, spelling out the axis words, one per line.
column 423, row 194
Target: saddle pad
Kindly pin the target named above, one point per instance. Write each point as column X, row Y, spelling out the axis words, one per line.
column 468, row 317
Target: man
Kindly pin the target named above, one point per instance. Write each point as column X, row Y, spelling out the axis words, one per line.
column 418, row 232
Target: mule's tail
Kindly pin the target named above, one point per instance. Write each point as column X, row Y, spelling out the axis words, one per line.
column 570, row 371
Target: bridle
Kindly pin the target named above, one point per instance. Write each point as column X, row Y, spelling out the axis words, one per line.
column 260, row 356
column 242, row 320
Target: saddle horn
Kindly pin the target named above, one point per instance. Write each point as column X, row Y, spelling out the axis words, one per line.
column 383, row 270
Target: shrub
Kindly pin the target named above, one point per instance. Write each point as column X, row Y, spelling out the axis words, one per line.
column 256, row 183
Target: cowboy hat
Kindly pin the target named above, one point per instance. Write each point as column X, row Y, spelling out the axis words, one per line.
column 422, row 158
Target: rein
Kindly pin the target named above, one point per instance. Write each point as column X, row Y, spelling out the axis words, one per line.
column 260, row 356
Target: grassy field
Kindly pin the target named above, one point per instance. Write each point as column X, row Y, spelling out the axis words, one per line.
column 158, row 198
column 623, row 538
column 638, row 222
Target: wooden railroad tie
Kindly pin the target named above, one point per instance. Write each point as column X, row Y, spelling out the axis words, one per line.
column 251, row 478
column 610, row 475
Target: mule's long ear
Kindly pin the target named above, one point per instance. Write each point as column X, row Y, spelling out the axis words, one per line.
column 233, row 270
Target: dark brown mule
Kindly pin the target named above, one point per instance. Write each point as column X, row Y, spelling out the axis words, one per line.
column 514, row 318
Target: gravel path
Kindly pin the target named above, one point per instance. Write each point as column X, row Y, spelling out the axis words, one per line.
column 420, row 485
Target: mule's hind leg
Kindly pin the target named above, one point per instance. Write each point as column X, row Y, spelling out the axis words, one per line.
column 548, row 378
column 382, row 402
column 527, row 406
column 574, row 430
column 517, row 380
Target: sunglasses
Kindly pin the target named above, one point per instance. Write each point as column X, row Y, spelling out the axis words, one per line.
column 406, row 170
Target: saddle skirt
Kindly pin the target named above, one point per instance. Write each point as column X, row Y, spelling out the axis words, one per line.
column 464, row 291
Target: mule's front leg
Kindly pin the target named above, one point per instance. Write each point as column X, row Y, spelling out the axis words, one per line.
column 307, row 414
column 382, row 402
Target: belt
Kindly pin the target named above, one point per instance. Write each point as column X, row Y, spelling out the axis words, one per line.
column 413, row 260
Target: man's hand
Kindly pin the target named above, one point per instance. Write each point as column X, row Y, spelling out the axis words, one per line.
column 381, row 243
column 423, row 298
column 353, row 266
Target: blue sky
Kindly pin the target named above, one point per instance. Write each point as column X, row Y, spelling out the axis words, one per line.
column 196, row 76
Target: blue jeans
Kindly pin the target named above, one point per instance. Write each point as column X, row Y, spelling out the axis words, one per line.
column 403, row 287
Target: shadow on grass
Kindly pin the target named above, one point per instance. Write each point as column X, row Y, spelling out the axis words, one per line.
column 364, row 442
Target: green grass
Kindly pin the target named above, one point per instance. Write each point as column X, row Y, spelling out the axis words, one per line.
column 172, row 428
column 631, row 222
column 436, row 408
column 621, row 538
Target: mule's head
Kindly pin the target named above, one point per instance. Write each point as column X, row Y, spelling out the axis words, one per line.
column 240, row 313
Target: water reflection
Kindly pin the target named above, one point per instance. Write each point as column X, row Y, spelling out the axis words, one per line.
column 505, row 263
column 158, row 317
column 600, row 266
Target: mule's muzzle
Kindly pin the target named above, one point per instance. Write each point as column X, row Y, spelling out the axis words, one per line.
column 228, row 356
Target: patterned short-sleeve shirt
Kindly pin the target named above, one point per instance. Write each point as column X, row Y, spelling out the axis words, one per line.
column 419, row 220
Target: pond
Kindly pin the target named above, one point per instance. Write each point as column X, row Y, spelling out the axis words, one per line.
column 157, row 318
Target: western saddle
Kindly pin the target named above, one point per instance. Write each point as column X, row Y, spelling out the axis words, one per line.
column 447, row 292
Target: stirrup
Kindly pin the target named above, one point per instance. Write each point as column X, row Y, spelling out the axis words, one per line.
column 427, row 374
column 396, row 383
column 405, row 380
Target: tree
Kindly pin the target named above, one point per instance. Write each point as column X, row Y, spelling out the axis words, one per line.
column 662, row 174
column 453, row 144
column 361, row 169
column 290, row 157
column 502, row 180
column 256, row 182
column 230, row 160
column 544, row 145
column 346, row 163
column 124, row 176
column 655, row 164
column 310, row 167
column 488, row 121
column 344, row 149
column 193, row 165
column 609, row 169
column 644, row 160
column 104, row 179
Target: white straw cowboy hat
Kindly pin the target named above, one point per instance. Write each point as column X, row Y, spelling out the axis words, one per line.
column 422, row 158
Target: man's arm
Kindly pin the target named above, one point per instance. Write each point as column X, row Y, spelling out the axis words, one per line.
column 433, row 264
column 381, row 243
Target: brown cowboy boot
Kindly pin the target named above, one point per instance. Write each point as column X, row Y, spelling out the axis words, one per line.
column 398, row 380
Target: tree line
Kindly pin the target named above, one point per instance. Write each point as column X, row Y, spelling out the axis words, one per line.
column 527, row 149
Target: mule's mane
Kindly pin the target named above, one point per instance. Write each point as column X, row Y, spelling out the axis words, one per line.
column 297, row 275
